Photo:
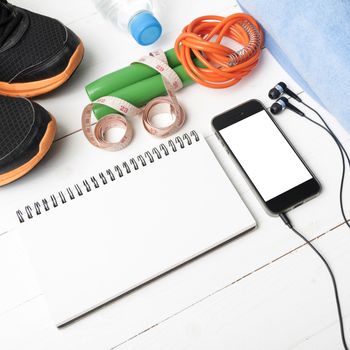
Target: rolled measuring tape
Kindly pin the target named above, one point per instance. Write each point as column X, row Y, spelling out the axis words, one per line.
column 98, row 136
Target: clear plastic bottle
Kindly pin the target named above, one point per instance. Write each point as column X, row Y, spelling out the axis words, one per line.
column 134, row 16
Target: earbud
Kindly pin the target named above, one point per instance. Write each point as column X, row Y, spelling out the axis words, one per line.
column 280, row 89
column 281, row 104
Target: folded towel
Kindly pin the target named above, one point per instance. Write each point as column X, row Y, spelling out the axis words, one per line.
column 311, row 40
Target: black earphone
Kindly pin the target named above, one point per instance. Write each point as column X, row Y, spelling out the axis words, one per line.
column 282, row 103
column 280, row 89
column 279, row 106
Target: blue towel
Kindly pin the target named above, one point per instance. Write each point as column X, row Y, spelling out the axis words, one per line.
column 311, row 40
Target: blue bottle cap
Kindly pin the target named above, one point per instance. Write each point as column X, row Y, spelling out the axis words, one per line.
column 145, row 28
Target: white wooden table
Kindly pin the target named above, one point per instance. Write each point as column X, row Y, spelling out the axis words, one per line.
column 265, row 290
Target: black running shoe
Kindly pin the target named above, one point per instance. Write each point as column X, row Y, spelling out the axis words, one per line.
column 27, row 131
column 37, row 53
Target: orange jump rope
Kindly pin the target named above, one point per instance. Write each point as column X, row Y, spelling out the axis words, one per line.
column 224, row 66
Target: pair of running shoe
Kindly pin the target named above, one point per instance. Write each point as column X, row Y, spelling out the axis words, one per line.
column 37, row 55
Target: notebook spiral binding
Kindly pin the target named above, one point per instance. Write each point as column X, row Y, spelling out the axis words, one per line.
column 103, row 178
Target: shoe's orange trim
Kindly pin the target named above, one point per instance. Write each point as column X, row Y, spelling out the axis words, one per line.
column 44, row 86
column 44, row 146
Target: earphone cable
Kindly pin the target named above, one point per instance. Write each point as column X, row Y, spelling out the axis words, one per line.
column 274, row 93
column 341, row 192
column 330, row 130
column 286, row 220
column 343, row 152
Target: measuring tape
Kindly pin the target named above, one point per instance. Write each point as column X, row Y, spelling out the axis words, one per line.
column 97, row 137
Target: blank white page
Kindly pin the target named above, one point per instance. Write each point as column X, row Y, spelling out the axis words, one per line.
column 97, row 247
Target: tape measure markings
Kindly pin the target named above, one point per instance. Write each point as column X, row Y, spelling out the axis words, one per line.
column 97, row 137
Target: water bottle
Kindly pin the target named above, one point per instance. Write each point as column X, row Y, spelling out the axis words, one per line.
column 134, row 16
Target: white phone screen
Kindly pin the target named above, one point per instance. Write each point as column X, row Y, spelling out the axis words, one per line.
column 265, row 155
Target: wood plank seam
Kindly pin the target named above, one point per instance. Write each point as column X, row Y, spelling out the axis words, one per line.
column 21, row 304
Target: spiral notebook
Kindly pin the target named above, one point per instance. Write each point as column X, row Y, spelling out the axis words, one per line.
column 98, row 239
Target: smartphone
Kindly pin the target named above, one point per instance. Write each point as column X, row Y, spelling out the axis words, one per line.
column 273, row 167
